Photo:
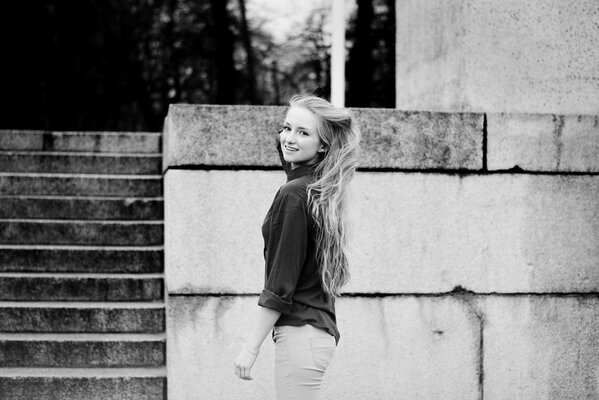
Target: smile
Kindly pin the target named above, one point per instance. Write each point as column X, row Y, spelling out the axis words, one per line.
column 290, row 148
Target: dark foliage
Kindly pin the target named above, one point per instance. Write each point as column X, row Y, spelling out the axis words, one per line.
column 118, row 64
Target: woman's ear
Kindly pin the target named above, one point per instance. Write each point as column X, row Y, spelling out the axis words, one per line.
column 322, row 149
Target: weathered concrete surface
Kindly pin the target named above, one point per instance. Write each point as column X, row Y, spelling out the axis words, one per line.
column 67, row 318
column 420, row 139
column 80, row 353
column 21, row 207
column 246, row 136
column 98, row 142
column 498, row 56
column 413, row 232
column 87, row 388
column 81, row 259
column 543, row 142
column 80, row 185
column 32, row 288
column 390, row 348
column 110, row 233
column 541, row 348
column 73, row 163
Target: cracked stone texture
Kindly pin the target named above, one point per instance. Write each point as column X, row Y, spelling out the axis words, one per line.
column 61, row 388
column 541, row 348
column 498, row 56
column 246, row 136
column 78, row 353
column 413, row 232
column 543, row 142
column 403, row 347
column 107, row 142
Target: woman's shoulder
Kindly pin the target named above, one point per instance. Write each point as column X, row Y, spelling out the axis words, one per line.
column 293, row 193
column 296, row 187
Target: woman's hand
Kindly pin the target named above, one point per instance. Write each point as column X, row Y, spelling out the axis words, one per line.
column 244, row 362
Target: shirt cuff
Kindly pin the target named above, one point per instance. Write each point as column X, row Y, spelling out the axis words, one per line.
column 270, row 300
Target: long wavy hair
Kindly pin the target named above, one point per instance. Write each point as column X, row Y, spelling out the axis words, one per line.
column 327, row 195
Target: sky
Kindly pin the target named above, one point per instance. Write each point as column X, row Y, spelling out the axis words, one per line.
column 283, row 17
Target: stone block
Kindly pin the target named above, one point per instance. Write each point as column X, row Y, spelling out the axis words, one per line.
column 526, row 56
column 543, row 142
column 127, row 208
column 82, row 319
column 413, row 232
column 222, row 135
column 541, row 347
column 246, row 136
column 81, row 259
column 80, row 185
column 420, row 139
column 81, row 353
column 213, row 240
column 394, row 347
column 96, row 142
column 85, row 388
column 69, row 163
column 110, row 233
column 31, row 288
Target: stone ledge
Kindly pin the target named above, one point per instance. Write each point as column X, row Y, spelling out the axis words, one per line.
column 98, row 142
column 84, row 388
column 81, row 320
column 543, row 142
column 246, row 136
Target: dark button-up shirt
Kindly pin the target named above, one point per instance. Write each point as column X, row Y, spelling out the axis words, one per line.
column 292, row 283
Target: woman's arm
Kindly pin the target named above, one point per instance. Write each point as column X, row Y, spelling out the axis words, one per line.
column 264, row 322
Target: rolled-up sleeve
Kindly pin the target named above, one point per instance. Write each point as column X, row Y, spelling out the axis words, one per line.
column 285, row 251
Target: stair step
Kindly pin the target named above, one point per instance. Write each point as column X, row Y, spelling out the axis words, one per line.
column 48, row 287
column 111, row 233
column 109, row 142
column 30, row 207
column 82, row 318
column 81, row 259
column 82, row 163
column 80, row 185
column 82, row 350
column 90, row 385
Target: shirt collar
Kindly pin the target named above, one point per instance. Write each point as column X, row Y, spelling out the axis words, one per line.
column 300, row 171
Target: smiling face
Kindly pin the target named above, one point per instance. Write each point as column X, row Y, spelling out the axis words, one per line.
column 299, row 138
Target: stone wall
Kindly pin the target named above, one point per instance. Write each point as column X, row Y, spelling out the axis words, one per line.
column 475, row 254
column 522, row 56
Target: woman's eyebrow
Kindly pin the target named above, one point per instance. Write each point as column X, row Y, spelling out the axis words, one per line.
column 299, row 127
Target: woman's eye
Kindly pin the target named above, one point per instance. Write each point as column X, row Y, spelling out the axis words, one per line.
column 285, row 128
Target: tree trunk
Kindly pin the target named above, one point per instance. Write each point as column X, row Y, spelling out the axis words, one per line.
column 389, row 40
column 247, row 44
column 360, row 66
column 223, row 53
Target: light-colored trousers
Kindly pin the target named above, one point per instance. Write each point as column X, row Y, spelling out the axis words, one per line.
column 302, row 355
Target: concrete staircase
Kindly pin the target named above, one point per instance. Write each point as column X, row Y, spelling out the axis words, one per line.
column 82, row 311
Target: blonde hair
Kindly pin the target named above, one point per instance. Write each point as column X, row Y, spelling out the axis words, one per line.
column 327, row 195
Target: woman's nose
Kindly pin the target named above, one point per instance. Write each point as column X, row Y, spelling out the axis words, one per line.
column 290, row 137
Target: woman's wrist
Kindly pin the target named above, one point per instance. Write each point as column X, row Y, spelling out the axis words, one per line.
column 252, row 351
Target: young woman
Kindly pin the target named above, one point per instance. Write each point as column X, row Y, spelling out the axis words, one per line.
column 305, row 247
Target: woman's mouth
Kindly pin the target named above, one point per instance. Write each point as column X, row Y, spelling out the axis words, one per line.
column 290, row 148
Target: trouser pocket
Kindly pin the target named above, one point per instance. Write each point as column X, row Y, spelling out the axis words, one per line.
column 323, row 350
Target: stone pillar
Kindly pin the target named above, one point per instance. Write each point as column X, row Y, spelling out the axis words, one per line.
column 531, row 67
column 523, row 56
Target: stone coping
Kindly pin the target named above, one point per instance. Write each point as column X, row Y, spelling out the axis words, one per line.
column 200, row 135
column 245, row 136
